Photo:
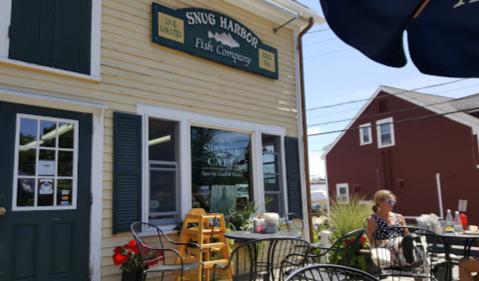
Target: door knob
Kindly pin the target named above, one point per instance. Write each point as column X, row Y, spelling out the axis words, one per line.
column 2, row 211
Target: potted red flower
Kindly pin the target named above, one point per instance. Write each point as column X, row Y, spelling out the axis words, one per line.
column 128, row 257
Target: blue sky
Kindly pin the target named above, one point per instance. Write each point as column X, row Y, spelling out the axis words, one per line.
column 336, row 73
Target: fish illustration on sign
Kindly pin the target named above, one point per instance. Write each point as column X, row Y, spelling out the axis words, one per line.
column 224, row 38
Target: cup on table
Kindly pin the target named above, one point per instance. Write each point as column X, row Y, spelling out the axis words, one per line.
column 442, row 226
column 473, row 228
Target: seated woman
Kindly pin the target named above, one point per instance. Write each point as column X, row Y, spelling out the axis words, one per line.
column 384, row 217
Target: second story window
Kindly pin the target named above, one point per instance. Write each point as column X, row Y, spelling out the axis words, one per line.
column 52, row 33
column 385, row 132
column 365, row 136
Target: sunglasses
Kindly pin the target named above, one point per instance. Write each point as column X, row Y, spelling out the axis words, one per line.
column 391, row 201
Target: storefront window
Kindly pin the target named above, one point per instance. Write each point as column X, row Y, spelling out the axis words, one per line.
column 272, row 173
column 221, row 178
column 164, row 172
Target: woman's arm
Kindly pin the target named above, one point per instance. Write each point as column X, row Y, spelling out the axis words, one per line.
column 403, row 223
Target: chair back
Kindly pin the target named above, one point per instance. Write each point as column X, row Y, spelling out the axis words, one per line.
column 346, row 247
column 149, row 237
column 424, row 246
column 265, row 259
column 294, row 223
column 330, row 272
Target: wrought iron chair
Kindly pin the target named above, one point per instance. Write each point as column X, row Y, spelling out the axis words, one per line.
column 294, row 223
column 424, row 249
column 265, row 259
column 343, row 251
column 151, row 242
column 330, row 272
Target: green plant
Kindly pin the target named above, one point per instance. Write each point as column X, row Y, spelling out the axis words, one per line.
column 345, row 218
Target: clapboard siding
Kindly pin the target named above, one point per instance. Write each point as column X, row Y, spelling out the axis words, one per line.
column 134, row 70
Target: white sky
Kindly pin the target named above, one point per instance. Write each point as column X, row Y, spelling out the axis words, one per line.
column 335, row 73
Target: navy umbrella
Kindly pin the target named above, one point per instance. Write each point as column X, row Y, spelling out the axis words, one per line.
column 443, row 35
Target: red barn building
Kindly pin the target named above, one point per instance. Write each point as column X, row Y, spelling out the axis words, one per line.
column 422, row 147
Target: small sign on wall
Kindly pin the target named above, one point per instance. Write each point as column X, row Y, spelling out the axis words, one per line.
column 462, row 205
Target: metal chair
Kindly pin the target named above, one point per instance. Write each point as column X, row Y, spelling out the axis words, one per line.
column 344, row 249
column 294, row 223
column 424, row 248
column 330, row 272
column 265, row 259
column 151, row 242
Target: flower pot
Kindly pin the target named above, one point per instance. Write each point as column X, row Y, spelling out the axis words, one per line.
column 132, row 275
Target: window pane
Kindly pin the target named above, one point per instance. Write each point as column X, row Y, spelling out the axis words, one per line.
column 27, row 158
column 272, row 182
column 270, row 164
column 28, row 132
column 65, row 163
column 220, row 166
column 273, row 204
column 385, row 128
column 161, row 140
column 270, row 143
column 366, row 138
column 64, row 192
column 163, row 191
column 25, row 192
column 66, row 135
column 48, row 133
column 45, row 191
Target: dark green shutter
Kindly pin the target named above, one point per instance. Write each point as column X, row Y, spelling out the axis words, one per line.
column 293, row 176
column 127, row 159
column 54, row 33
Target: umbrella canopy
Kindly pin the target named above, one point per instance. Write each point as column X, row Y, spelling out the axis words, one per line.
column 443, row 35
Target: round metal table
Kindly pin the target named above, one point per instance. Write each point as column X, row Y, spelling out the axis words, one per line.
column 250, row 235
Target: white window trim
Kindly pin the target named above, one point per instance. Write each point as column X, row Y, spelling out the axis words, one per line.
column 361, row 139
column 378, row 132
column 338, row 187
column 187, row 119
column 95, row 45
column 74, row 176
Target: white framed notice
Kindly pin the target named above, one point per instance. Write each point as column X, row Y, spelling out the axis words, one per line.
column 462, row 207
column 46, row 167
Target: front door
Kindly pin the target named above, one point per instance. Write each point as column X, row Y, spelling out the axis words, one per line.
column 45, row 172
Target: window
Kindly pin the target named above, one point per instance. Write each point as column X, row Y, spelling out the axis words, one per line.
column 365, row 134
column 54, row 35
column 45, row 170
column 272, row 173
column 220, row 168
column 385, row 131
column 164, row 172
column 342, row 193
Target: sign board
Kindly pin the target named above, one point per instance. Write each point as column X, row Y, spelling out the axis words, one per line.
column 462, row 205
column 213, row 36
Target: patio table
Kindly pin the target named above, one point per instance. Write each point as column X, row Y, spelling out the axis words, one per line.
column 469, row 237
column 246, row 236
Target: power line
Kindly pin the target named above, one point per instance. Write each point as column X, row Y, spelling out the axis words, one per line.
column 334, row 113
column 389, row 112
column 319, row 30
column 319, row 42
column 333, row 52
column 420, row 88
column 396, row 122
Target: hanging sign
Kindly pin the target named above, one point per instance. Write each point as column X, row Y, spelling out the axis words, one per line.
column 213, row 36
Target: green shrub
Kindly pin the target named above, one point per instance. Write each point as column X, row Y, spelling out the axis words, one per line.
column 345, row 218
